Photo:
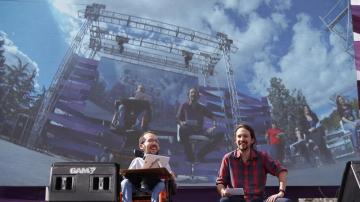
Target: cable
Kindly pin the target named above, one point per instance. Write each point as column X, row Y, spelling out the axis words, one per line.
column 325, row 196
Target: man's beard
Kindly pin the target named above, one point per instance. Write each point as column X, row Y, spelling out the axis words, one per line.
column 243, row 148
column 153, row 150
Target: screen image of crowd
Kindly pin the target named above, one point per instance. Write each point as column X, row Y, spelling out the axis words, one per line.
column 104, row 106
column 310, row 143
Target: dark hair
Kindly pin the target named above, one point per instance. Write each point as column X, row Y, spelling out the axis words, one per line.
column 247, row 127
column 338, row 104
column 307, row 106
column 196, row 90
column 337, row 98
column 142, row 138
column 311, row 113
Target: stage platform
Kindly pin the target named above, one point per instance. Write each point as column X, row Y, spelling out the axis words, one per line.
column 186, row 193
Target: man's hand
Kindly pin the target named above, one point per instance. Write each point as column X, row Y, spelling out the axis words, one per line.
column 182, row 123
column 273, row 198
column 173, row 175
column 225, row 193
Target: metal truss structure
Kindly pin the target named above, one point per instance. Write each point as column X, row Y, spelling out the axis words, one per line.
column 338, row 21
column 147, row 42
column 50, row 96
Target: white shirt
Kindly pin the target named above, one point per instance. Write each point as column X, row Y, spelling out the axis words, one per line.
column 137, row 163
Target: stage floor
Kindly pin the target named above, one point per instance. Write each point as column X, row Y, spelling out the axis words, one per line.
column 188, row 194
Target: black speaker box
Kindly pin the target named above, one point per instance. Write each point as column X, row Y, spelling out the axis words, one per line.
column 83, row 181
column 350, row 185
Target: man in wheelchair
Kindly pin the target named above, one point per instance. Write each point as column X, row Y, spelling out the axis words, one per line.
column 149, row 144
column 190, row 118
column 131, row 114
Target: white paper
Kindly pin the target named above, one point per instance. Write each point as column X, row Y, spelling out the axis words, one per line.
column 156, row 161
column 235, row 191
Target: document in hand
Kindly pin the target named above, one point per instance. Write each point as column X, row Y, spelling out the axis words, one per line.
column 156, row 161
column 235, row 191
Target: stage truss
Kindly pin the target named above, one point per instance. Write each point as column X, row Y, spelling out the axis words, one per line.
column 338, row 21
column 147, row 42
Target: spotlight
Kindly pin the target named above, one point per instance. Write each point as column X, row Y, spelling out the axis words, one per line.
column 121, row 41
column 94, row 44
column 187, row 57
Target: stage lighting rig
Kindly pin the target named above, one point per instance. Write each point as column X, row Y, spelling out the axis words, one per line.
column 187, row 57
column 225, row 43
column 121, row 41
column 92, row 12
column 148, row 42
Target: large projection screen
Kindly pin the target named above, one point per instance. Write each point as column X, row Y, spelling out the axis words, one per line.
column 286, row 58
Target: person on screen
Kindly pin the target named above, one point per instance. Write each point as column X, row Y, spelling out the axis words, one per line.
column 105, row 156
column 140, row 94
column 190, row 118
column 302, row 147
column 275, row 136
column 348, row 119
column 136, row 121
column 247, row 168
column 315, row 134
column 149, row 144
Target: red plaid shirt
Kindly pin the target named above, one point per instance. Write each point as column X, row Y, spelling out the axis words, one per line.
column 250, row 175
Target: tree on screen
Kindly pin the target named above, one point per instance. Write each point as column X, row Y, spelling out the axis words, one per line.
column 18, row 94
column 286, row 105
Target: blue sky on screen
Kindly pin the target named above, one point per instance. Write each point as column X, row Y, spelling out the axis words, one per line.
column 32, row 31
column 283, row 38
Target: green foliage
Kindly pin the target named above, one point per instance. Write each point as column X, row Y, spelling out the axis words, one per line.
column 18, row 93
column 287, row 107
column 332, row 121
